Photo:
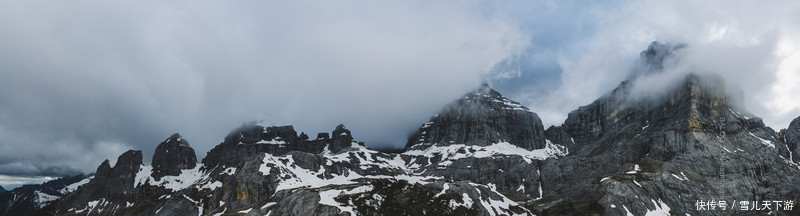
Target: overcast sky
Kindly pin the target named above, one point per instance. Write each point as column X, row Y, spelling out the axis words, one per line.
column 84, row 81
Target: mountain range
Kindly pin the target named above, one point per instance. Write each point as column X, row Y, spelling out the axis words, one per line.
column 626, row 153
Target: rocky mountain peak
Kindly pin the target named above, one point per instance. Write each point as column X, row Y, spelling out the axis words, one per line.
column 129, row 161
column 341, row 139
column 481, row 117
column 652, row 59
column 104, row 169
column 340, row 131
column 117, row 182
column 255, row 139
column 699, row 102
column 694, row 101
column 172, row 156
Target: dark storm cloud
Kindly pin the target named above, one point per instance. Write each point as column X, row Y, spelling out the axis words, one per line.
column 84, row 81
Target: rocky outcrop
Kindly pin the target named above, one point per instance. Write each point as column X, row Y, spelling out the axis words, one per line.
column 255, row 139
column 341, row 139
column 558, row 135
column 172, row 156
column 792, row 139
column 482, row 117
column 114, row 183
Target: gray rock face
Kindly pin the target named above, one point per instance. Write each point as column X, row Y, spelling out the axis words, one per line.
column 641, row 154
column 115, row 183
column 792, row 139
column 558, row 135
column 172, row 156
column 387, row 197
column 481, row 117
column 254, row 139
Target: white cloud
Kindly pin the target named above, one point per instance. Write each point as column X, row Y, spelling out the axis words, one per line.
column 752, row 44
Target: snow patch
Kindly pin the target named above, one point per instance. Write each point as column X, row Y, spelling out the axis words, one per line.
column 465, row 202
column 220, row 213
column 271, row 142
column 291, row 176
column 763, row 141
column 661, row 209
column 42, row 199
column 444, row 189
column 228, row 171
column 91, row 205
column 74, row 186
column 493, row 206
column 637, row 183
column 326, row 197
column 684, row 178
column 174, row 183
column 635, row 169
column 268, row 205
column 627, row 213
column 458, row 151
column 367, row 158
